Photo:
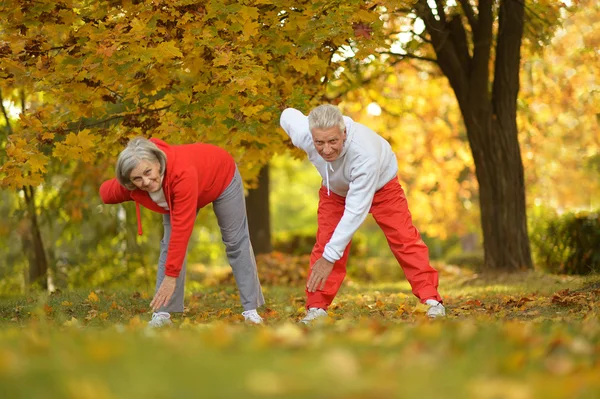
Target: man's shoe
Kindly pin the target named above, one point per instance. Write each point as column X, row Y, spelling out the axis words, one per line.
column 160, row 319
column 251, row 316
column 436, row 309
column 313, row 314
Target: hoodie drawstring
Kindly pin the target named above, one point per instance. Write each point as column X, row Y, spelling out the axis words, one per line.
column 139, row 217
column 327, row 166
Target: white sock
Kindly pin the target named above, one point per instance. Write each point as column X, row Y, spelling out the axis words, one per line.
column 164, row 314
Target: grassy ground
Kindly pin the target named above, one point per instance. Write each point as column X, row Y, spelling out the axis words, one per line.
column 515, row 337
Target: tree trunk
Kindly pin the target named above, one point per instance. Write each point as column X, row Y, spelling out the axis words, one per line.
column 259, row 218
column 501, row 195
column 494, row 141
column 38, row 263
column 507, row 182
column 490, row 120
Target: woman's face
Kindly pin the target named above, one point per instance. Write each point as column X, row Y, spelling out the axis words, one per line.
column 146, row 176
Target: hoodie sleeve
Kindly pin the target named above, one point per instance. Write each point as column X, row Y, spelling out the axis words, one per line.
column 295, row 124
column 183, row 215
column 111, row 192
column 358, row 203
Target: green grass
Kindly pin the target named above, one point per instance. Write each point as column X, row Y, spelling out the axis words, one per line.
column 520, row 336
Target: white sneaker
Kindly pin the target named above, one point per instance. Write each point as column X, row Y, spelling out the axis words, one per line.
column 436, row 309
column 313, row 314
column 251, row 316
column 160, row 319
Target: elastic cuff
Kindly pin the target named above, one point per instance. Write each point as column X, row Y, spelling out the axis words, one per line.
column 329, row 260
column 321, row 305
column 435, row 296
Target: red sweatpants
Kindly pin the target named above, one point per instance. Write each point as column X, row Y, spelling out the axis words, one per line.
column 390, row 211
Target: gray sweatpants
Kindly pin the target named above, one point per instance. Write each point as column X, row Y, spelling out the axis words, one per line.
column 230, row 209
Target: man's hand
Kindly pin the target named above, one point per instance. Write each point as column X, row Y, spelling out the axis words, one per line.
column 318, row 276
column 164, row 293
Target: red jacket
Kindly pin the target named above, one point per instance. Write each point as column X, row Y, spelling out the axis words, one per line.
column 195, row 176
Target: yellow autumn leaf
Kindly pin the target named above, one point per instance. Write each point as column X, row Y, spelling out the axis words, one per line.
column 366, row 16
column 251, row 110
column 168, row 50
column 222, row 59
column 92, row 297
column 300, row 65
column 73, row 322
column 37, row 162
column 250, row 29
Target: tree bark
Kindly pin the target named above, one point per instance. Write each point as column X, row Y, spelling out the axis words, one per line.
column 38, row 262
column 259, row 218
column 510, row 219
column 490, row 121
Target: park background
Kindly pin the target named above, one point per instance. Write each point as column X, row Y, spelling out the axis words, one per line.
column 492, row 108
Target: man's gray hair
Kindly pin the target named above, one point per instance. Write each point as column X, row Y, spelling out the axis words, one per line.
column 137, row 150
column 326, row 116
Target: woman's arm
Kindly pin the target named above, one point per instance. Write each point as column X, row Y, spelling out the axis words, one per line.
column 183, row 214
column 112, row 192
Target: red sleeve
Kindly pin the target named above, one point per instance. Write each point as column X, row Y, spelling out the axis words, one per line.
column 112, row 192
column 183, row 215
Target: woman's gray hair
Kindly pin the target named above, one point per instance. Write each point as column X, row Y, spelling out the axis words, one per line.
column 137, row 150
column 326, row 116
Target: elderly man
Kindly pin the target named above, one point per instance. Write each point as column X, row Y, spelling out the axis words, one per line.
column 359, row 172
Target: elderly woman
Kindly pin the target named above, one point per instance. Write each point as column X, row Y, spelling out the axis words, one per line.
column 177, row 181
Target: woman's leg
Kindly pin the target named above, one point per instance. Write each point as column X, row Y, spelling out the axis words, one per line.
column 230, row 209
column 176, row 302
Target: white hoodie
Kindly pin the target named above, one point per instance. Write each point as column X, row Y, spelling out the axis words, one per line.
column 365, row 165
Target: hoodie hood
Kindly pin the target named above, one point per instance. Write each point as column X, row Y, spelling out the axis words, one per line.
column 329, row 165
column 349, row 135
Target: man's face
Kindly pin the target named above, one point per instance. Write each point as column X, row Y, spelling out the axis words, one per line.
column 146, row 176
column 329, row 142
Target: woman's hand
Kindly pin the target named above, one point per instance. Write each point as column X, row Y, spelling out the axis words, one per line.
column 164, row 293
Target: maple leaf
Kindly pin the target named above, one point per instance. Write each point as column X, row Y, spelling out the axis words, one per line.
column 93, row 297
column 167, row 50
column 37, row 162
column 362, row 30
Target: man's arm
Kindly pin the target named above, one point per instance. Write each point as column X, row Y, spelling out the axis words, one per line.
column 295, row 124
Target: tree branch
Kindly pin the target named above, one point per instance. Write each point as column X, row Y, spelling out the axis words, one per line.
column 402, row 11
column 482, row 46
column 445, row 50
column 470, row 13
column 364, row 81
column 8, row 126
column 408, row 55
column 439, row 5
column 532, row 12
column 81, row 126
column 420, row 35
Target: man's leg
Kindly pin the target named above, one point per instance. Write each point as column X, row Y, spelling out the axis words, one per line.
column 331, row 209
column 230, row 209
column 176, row 302
column 390, row 211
